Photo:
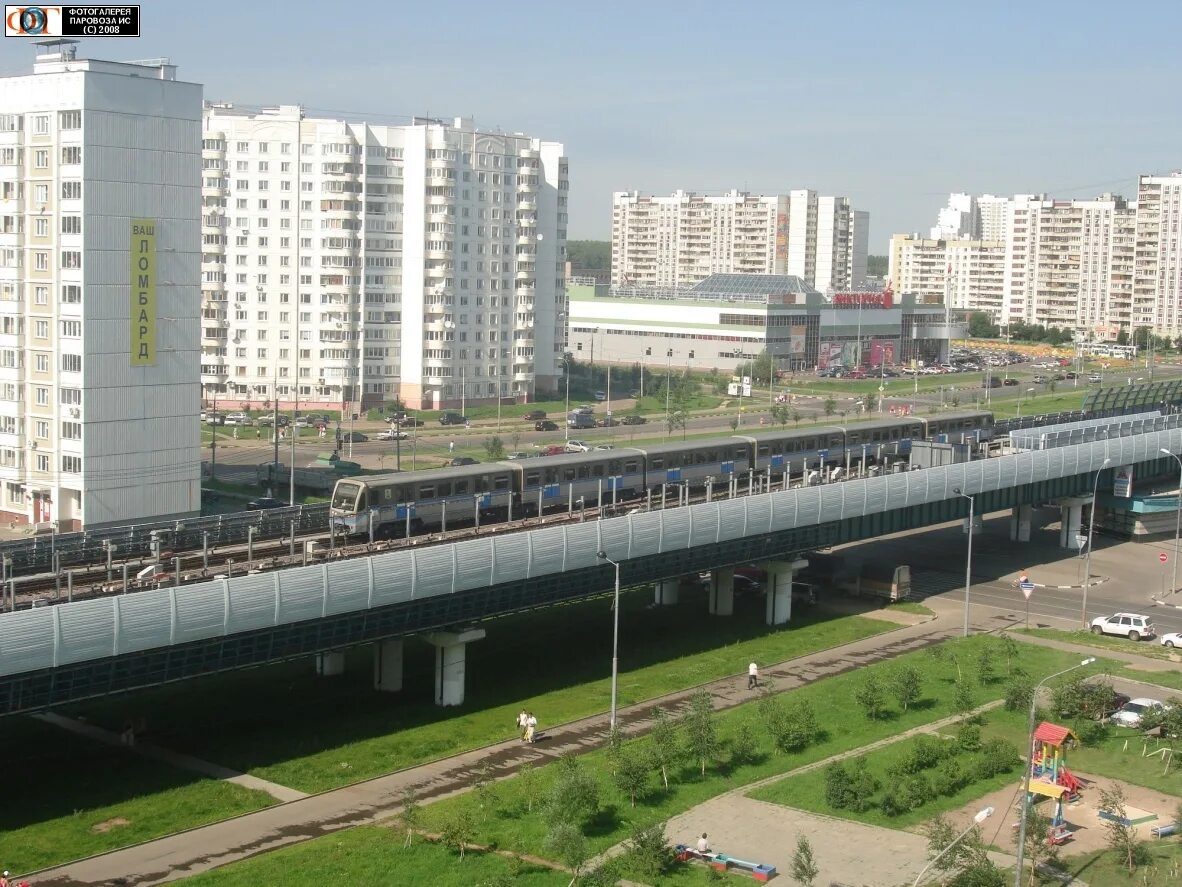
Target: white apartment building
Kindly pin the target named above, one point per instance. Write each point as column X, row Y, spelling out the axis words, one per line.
column 1157, row 281
column 680, row 240
column 99, row 281
column 993, row 213
column 960, row 219
column 350, row 263
column 971, row 273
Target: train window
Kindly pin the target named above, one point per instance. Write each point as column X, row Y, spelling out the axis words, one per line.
column 426, row 492
column 894, row 434
column 405, row 494
column 551, row 476
column 582, row 472
column 501, row 482
column 835, row 441
column 764, row 450
column 614, row 466
column 810, row 444
column 531, row 479
column 793, row 446
column 481, row 484
column 444, row 490
column 461, row 486
column 657, row 464
column 388, row 494
column 631, row 466
column 597, row 471
column 568, row 474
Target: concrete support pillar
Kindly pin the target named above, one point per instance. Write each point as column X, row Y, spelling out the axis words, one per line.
column 387, row 665
column 1020, row 523
column 665, row 592
column 722, row 592
column 330, row 664
column 450, row 658
column 779, row 589
column 1071, row 513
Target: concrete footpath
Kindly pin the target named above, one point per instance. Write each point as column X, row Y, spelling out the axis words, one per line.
column 180, row 855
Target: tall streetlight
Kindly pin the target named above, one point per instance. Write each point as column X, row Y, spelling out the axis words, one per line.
column 668, row 381
column 968, row 567
column 566, row 372
column 615, row 636
column 1177, row 518
column 979, row 818
column 1091, row 535
column 1028, row 391
column 1030, row 766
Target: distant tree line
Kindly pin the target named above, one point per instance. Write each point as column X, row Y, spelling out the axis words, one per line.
column 982, row 327
column 589, row 255
column 877, row 266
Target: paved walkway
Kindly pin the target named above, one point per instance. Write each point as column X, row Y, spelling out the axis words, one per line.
column 172, row 758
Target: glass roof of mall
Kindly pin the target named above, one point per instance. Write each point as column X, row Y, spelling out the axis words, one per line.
column 751, row 284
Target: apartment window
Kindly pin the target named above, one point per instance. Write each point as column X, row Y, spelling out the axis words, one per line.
column 71, row 190
column 71, row 464
column 41, row 396
column 71, row 294
column 72, row 431
column 41, row 227
column 71, row 258
column 42, row 363
column 41, row 261
column 41, row 158
column 42, row 429
column 71, row 396
column 42, row 463
column 41, row 295
column 40, row 196
column 10, row 122
column 41, row 329
column 41, row 125
column 264, row 147
column 71, row 224
column 16, row 494
column 72, row 329
column 69, row 119
column 242, row 185
column 71, row 363
column 72, row 154
column 244, row 147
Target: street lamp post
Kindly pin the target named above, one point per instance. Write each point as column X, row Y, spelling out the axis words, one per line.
column 668, row 381
column 615, row 635
column 968, row 567
column 1028, row 390
column 1177, row 519
column 1091, row 535
column 979, row 818
column 1030, row 764
column 566, row 369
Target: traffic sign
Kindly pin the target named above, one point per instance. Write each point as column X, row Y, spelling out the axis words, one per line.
column 1163, row 557
column 1027, row 589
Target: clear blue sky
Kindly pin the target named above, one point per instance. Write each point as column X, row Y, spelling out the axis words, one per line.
column 891, row 103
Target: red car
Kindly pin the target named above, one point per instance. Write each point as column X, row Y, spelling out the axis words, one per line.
column 856, row 374
column 554, row 450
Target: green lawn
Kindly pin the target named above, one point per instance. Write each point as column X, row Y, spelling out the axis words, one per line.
column 1167, row 677
column 1104, row 869
column 286, row 725
column 842, row 727
column 68, row 797
column 912, row 607
column 1151, row 649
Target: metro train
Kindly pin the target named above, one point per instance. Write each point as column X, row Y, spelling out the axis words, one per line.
column 424, row 501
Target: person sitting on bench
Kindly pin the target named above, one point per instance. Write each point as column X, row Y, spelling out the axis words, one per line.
column 703, row 845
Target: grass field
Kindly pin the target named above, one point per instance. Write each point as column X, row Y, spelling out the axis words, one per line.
column 287, row 725
column 1151, row 649
column 1164, row 868
column 68, row 797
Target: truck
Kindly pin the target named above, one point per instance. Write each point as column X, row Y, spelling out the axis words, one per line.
column 888, row 581
column 579, row 419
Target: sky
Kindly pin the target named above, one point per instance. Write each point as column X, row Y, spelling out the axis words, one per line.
column 892, row 103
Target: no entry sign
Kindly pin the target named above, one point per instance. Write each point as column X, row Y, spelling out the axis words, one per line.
column 1163, row 557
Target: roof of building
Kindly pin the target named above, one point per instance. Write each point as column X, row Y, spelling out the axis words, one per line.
column 752, row 284
column 1053, row 734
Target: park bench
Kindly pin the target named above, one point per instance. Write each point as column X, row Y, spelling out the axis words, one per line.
column 1164, row 831
column 721, row 862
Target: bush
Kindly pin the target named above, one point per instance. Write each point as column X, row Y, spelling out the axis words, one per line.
column 744, row 745
column 1090, row 732
column 838, row 786
column 996, row 756
column 863, row 785
column 968, row 737
column 949, row 777
column 1019, row 692
column 893, row 802
column 648, row 854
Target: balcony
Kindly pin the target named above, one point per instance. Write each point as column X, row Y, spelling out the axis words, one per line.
column 527, row 185
column 437, row 254
column 436, row 200
column 526, row 203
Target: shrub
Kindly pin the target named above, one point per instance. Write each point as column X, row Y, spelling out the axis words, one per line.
column 647, row 853
column 996, row 756
column 893, row 802
column 838, row 786
column 1019, row 692
column 870, row 697
column 863, row 785
column 968, row 737
column 744, row 745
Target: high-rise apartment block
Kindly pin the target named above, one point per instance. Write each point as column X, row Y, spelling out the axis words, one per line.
column 100, row 170
column 349, row 263
column 680, row 240
column 1098, row 267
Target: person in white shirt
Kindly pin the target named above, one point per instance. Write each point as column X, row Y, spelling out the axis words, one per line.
column 752, row 676
column 703, row 844
column 522, row 718
column 531, row 725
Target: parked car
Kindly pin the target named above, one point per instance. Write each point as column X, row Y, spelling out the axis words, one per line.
column 554, row 450
column 534, row 415
column 1071, row 375
column 215, row 418
column 517, row 457
column 237, row 419
column 303, row 422
column 605, row 446
column 1128, row 625
column 1172, row 639
column 633, row 420
column 1040, row 380
column 392, row 434
column 462, row 460
column 1131, row 713
column 1009, row 381
column 453, row 419
column 600, row 396
column 608, row 422
column 545, row 425
column 992, row 383
column 585, row 409
column 1095, row 378
column 354, row 437
column 264, row 503
column 577, row 446
column 411, row 422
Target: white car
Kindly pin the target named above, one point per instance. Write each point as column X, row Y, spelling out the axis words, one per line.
column 577, row 446
column 1173, row 639
column 1130, row 714
column 1128, row 625
column 392, row 434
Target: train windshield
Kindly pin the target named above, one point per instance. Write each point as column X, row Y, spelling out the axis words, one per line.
column 345, row 496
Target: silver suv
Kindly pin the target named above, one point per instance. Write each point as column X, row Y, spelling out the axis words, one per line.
column 1128, row 625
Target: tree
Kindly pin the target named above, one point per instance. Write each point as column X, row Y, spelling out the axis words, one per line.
column 484, row 785
column 870, row 697
column 795, row 417
column 527, row 778
column 574, row 794
column 1122, row 837
column 744, row 745
column 458, row 831
column 589, row 255
column 962, row 698
column 701, row 733
column 877, row 266
column 830, row 406
column 411, row 815
column 1037, row 851
column 1019, row 692
column 676, row 419
column 906, row 685
column 804, row 866
column 630, row 772
column 869, row 402
column 792, row 726
column 494, row 447
column 663, row 738
column 985, row 672
column 566, row 841
column 981, row 327
column 648, row 852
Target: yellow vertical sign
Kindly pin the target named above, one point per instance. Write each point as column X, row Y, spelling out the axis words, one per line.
column 143, row 292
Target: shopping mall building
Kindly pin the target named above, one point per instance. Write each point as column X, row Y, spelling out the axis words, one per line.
column 728, row 319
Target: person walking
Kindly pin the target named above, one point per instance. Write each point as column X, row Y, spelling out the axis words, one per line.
column 752, row 676
column 522, row 720
column 451, row 446
column 531, row 726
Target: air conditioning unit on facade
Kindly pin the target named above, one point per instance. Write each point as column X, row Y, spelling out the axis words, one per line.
column 75, row 412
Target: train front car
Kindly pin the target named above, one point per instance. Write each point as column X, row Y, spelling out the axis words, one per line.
column 347, row 509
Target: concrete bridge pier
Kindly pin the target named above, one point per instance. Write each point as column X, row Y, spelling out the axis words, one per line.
column 450, row 661
column 1071, row 511
column 387, row 665
column 665, row 592
column 779, row 589
column 722, row 592
column 1020, row 523
column 331, row 664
